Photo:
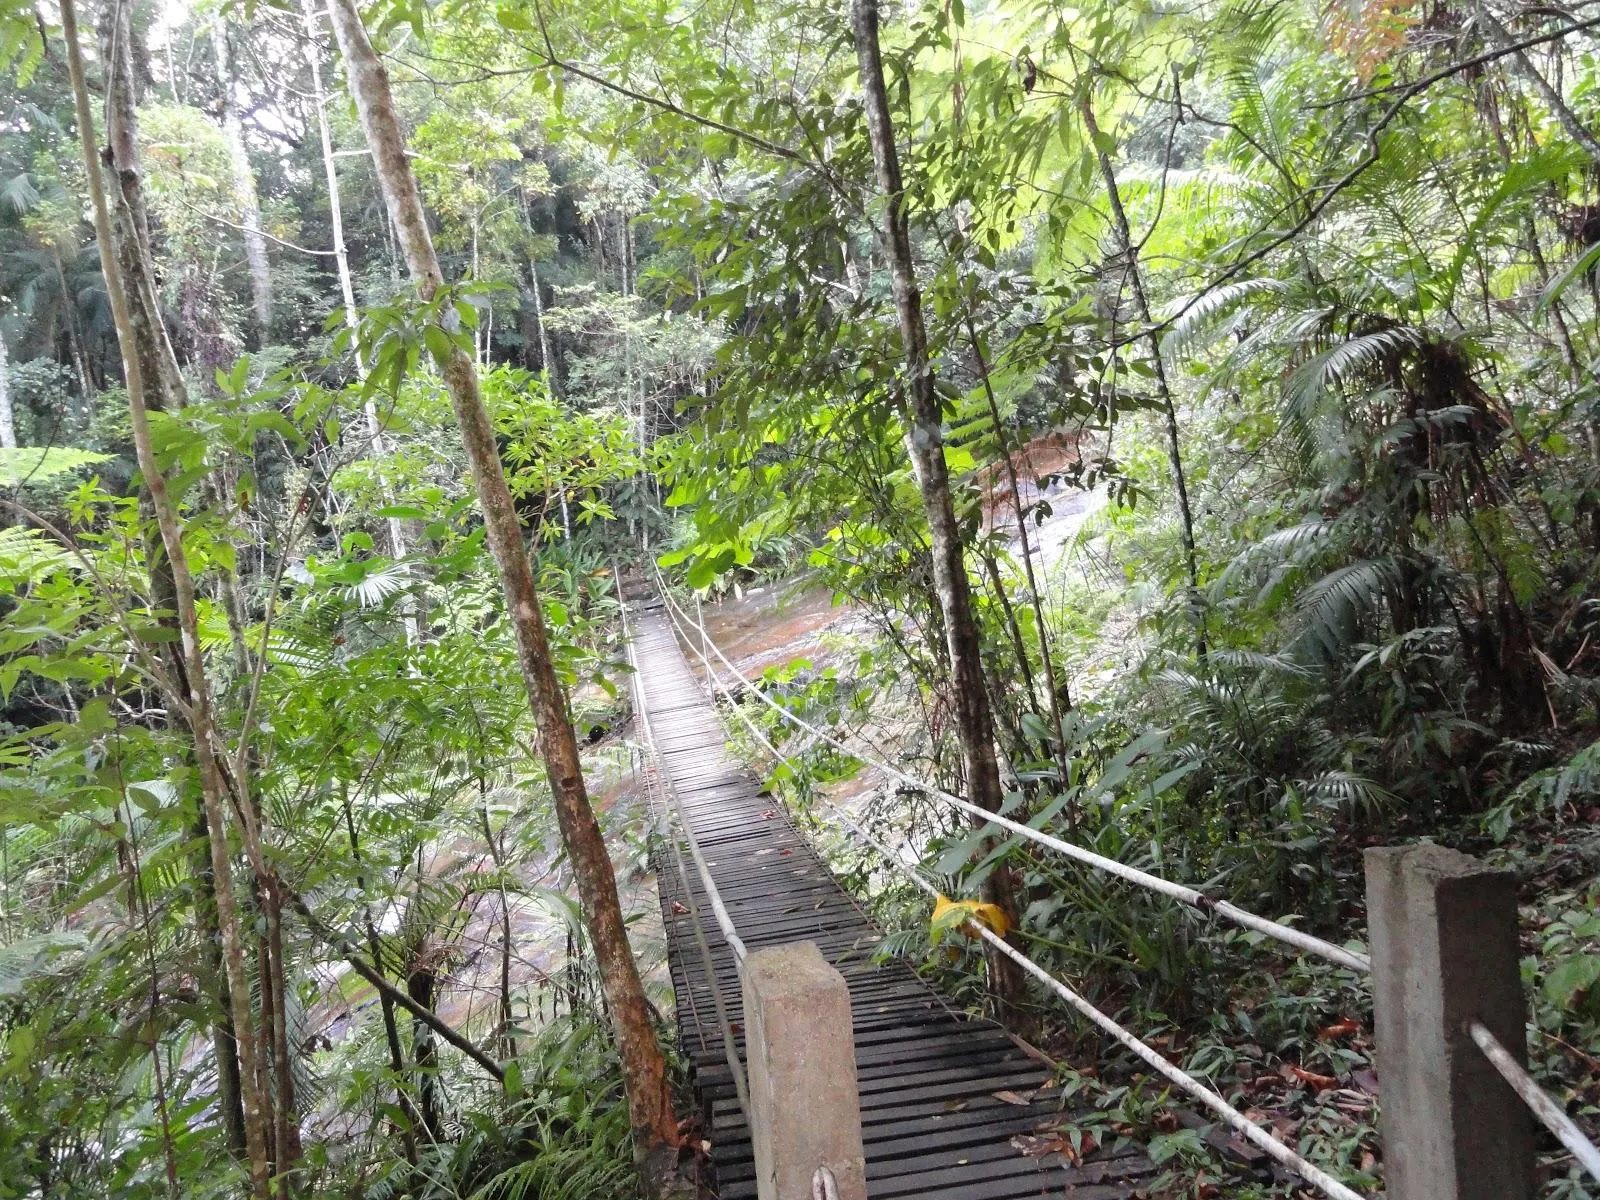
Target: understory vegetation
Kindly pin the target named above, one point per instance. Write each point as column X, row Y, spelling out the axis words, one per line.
column 1193, row 412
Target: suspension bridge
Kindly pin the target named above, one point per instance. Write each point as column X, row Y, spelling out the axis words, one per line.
column 952, row 1106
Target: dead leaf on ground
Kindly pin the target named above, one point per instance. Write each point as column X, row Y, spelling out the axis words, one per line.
column 1037, row 1146
column 1317, row 1083
column 1018, row 1098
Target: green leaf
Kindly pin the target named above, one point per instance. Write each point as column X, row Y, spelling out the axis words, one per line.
column 1571, row 977
column 439, row 344
column 1580, row 267
column 510, row 18
column 22, row 960
column 26, row 465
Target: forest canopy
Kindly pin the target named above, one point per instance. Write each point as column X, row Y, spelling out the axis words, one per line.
column 1188, row 412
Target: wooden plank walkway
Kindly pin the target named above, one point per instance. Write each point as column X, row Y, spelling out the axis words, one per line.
column 942, row 1094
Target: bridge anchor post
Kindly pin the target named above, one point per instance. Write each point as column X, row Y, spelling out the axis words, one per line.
column 1443, row 928
column 800, row 1055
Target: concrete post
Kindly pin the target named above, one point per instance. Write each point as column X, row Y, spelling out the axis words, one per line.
column 801, row 1059
column 1443, row 929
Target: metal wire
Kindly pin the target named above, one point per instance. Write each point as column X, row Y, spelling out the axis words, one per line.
column 1544, row 1106
column 1177, row 891
column 1181, row 1079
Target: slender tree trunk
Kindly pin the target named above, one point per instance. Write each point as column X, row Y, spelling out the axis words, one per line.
column 1059, row 698
column 424, row 1056
column 207, row 742
column 139, row 909
column 285, row 1108
column 8, row 425
column 925, row 443
column 164, row 388
column 347, row 290
column 545, row 361
column 497, row 853
column 223, row 1043
column 391, row 1028
column 161, row 387
column 80, row 360
column 1180, row 485
column 644, row 1068
column 244, row 189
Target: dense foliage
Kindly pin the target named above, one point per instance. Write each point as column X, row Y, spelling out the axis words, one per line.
column 1265, row 334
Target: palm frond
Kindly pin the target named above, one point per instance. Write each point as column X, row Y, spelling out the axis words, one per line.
column 22, row 960
column 1335, row 608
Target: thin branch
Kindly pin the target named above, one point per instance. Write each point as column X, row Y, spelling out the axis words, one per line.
column 387, row 990
column 1332, row 191
column 209, row 216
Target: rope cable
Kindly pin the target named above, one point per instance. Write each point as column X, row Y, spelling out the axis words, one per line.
column 1186, row 895
column 730, row 1053
column 1545, row 1106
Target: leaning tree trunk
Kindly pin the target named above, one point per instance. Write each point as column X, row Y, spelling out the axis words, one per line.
column 644, row 1068
column 244, row 189
column 197, row 701
column 925, row 443
column 163, row 390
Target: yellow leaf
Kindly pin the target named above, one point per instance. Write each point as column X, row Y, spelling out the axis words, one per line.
column 954, row 914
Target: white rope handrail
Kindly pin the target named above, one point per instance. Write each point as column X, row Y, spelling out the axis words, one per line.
column 1174, row 1074
column 730, row 1054
column 1544, row 1106
column 718, row 909
column 1177, row 891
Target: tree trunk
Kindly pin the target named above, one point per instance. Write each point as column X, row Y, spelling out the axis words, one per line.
column 644, row 1068
column 285, row 1108
column 244, row 189
column 197, row 702
column 550, row 379
column 164, row 389
column 424, row 1057
column 925, row 443
column 69, row 318
column 391, row 1029
column 1180, row 485
column 347, row 292
column 223, row 1043
column 8, row 425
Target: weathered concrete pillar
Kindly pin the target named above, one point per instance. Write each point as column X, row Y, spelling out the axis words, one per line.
column 801, row 1059
column 1443, row 929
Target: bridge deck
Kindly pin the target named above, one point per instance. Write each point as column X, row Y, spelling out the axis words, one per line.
column 943, row 1094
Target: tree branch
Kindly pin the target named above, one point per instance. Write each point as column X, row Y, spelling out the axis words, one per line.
column 387, row 990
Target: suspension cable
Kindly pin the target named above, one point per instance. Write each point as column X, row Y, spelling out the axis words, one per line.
column 1174, row 1074
column 1177, row 891
column 669, row 793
